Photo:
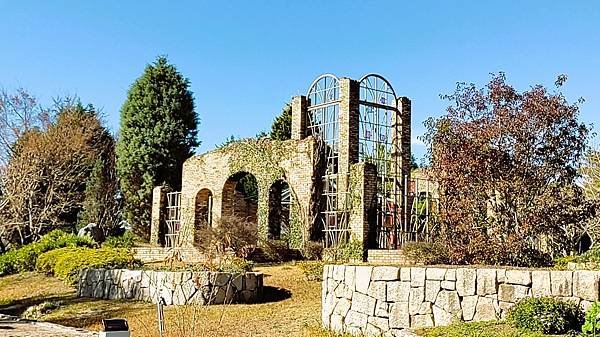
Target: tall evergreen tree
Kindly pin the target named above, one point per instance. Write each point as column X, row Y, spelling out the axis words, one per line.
column 281, row 129
column 157, row 134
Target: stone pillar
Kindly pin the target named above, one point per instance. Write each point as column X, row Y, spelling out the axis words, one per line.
column 299, row 117
column 363, row 185
column 348, row 134
column 159, row 202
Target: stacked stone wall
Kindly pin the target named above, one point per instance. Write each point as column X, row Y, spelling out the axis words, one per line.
column 175, row 288
column 384, row 300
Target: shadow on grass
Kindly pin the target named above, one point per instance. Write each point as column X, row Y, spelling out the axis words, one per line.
column 274, row 294
column 17, row 307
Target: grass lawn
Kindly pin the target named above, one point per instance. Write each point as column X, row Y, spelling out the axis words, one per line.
column 291, row 308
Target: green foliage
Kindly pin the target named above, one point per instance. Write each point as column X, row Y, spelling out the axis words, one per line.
column 426, row 252
column 157, row 134
column 312, row 250
column 546, row 315
column 100, row 205
column 312, row 270
column 228, row 264
column 281, row 129
column 477, row 329
column 127, row 240
column 591, row 259
column 25, row 257
column 346, row 252
column 561, row 263
column 235, row 265
column 66, row 263
column 591, row 326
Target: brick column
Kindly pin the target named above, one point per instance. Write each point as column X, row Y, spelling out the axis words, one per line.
column 403, row 135
column 159, row 202
column 348, row 137
column 299, row 117
column 363, row 195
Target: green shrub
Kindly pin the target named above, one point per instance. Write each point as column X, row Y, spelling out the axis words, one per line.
column 65, row 263
column 546, row 314
column 591, row 326
column 24, row 258
column 235, row 265
column 561, row 263
column 426, row 252
column 7, row 263
column 312, row 270
column 274, row 251
column 312, row 250
column 124, row 241
column 345, row 252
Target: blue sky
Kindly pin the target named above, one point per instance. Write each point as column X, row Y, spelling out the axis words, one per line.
column 246, row 58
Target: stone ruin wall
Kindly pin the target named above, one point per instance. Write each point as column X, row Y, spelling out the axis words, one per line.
column 384, row 300
column 176, row 288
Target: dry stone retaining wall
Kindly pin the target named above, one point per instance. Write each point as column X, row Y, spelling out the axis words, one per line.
column 383, row 300
column 176, row 288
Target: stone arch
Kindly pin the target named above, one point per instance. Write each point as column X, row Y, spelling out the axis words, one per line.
column 240, row 197
column 280, row 198
column 203, row 208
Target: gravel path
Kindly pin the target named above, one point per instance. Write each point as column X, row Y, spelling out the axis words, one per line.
column 14, row 327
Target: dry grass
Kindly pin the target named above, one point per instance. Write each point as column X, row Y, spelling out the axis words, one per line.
column 291, row 308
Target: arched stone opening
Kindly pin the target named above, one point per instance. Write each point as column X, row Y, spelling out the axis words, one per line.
column 279, row 210
column 240, row 197
column 203, row 208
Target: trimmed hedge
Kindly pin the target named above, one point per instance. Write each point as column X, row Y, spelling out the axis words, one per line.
column 24, row 258
column 66, row 263
column 126, row 240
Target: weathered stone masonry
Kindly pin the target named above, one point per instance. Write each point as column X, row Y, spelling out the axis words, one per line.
column 383, row 300
column 175, row 288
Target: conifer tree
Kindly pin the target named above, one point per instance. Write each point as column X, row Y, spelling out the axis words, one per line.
column 157, row 134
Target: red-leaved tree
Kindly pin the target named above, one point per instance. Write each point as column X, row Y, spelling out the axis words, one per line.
column 507, row 162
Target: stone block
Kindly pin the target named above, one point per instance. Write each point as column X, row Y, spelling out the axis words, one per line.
column 442, row 317
column 342, row 307
column 450, row 275
column 540, row 283
column 448, row 285
column 379, row 322
column 385, row 273
column 435, row 274
column 486, row 282
column 416, row 297
column 349, row 277
column 382, row 309
column 405, row 274
column 522, row 277
column 466, row 281
column 339, row 272
column 325, row 272
column 513, row 292
column 337, row 323
column 432, row 288
column 469, row 304
column 501, row 275
column 377, row 290
column 372, row 331
column 356, row 319
column 485, row 310
column 399, row 315
column 449, row 302
column 417, row 277
column 398, row 291
column 422, row 321
column 586, row 285
column 363, row 304
column 561, row 283
column 363, row 278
